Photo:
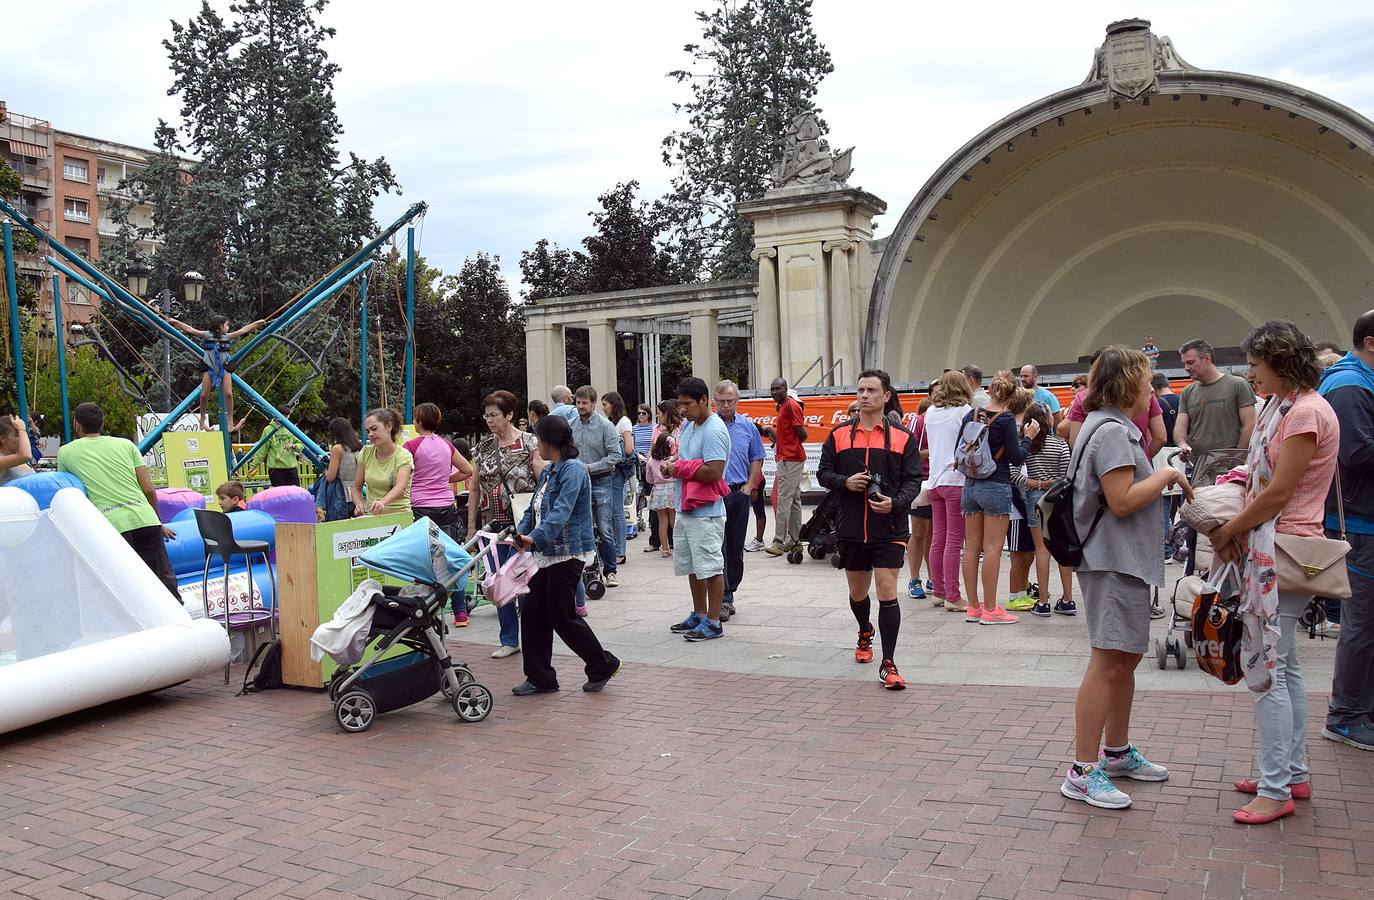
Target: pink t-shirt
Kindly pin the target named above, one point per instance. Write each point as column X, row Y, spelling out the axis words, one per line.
column 1311, row 414
column 429, row 486
column 1077, row 413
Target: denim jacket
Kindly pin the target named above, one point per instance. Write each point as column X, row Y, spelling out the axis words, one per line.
column 565, row 511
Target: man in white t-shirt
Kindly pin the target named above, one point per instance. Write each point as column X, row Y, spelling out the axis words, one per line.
column 975, row 384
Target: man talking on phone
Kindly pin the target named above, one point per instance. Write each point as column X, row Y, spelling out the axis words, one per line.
column 875, row 469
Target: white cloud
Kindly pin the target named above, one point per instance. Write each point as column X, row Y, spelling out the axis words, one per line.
column 509, row 118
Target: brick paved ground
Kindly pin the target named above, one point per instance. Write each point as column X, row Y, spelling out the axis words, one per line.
column 674, row 782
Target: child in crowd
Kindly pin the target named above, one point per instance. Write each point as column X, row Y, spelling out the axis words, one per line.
column 231, row 497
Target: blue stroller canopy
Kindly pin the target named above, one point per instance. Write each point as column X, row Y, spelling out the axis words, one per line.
column 421, row 553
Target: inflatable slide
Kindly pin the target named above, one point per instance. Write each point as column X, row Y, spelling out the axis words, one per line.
column 82, row 619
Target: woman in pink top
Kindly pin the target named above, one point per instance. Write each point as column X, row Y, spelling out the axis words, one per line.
column 1151, row 424
column 1291, row 463
column 431, row 493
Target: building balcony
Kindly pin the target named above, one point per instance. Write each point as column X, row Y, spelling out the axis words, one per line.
column 35, row 176
column 41, row 216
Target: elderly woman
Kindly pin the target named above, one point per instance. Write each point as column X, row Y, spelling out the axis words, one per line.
column 1291, row 465
column 557, row 528
column 507, row 464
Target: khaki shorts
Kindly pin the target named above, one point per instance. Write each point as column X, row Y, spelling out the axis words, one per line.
column 697, row 544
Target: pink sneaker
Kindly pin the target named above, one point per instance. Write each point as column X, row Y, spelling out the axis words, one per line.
column 460, row 619
column 996, row 615
column 581, row 611
column 975, row 613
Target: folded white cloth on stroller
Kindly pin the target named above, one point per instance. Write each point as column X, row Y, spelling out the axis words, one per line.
column 344, row 638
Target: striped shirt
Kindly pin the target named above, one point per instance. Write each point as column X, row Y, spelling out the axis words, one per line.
column 1050, row 464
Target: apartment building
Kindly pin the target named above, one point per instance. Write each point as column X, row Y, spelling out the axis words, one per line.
column 70, row 184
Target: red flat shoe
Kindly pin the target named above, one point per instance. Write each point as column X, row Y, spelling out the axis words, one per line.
column 1245, row 817
column 1301, row 791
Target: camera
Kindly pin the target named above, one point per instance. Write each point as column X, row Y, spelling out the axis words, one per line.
column 875, row 485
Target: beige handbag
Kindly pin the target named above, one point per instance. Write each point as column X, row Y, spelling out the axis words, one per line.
column 1315, row 565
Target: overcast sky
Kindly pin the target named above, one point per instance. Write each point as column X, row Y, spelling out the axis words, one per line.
column 509, row 118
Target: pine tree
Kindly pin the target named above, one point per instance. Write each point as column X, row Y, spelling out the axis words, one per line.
column 758, row 65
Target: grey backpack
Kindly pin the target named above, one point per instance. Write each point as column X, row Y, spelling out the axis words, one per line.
column 972, row 456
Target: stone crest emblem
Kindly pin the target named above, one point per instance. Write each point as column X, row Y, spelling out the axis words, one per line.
column 1130, row 51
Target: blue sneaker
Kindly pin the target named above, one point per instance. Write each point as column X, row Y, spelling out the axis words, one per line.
column 705, row 631
column 914, row 589
column 1131, row 764
column 687, row 624
column 1094, row 788
column 1360, row 736
column 930, row 585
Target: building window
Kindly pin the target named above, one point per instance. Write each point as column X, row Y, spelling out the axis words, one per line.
column 77, row 295
column 80, row 245
column 100, row 176
column 75, row 210
column 75, row 169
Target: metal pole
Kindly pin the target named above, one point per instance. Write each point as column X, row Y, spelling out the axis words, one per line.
column 252, row 451
column 410, row 324
column 312, row 449
column 363, row 353
column 16, row 335
column 166, row 351
column 151, row 438
column 230, row 462
column 61, row 359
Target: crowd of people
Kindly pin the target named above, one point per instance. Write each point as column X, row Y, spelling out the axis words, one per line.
column 944, row 488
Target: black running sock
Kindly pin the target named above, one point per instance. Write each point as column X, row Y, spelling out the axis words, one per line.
column 861, row 609
column 889, row 623
column 1116, row 753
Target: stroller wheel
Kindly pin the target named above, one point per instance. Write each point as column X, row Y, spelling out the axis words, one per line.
column 464, row 677
column 1179, row 656
column 815, row 552
column 794, row 557
column 336, row 680
column 355, row 711
column 596, row 589
column 472, row 703
column 1161, row 653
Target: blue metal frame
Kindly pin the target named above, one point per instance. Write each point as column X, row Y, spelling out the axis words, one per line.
column 363, row 352
column 410, row 326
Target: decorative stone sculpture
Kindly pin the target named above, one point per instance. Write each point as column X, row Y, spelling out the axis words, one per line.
column 1131, row 58
column 807, row 158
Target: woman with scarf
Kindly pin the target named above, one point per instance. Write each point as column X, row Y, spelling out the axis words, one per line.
column 1291, row 465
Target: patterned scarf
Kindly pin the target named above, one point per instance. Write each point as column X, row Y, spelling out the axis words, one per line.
column 1259, row 587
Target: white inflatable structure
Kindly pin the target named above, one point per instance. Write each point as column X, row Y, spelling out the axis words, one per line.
column 82, row 619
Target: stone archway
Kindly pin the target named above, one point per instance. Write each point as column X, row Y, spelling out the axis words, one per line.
column 1209, row 202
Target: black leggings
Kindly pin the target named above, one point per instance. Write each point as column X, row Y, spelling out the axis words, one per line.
column 548, row 609
column 446, row 517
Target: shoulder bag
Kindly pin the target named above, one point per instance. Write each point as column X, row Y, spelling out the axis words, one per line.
column 1315, row 565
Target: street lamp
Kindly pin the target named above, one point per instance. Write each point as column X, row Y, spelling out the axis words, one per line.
column 628, row 340
column 192, row 283
column 136, row 276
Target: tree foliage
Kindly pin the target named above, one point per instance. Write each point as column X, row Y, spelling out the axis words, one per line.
column 757, row 66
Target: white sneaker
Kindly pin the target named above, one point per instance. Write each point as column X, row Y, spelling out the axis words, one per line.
column 503, row 651
column 754, row 546
column 610, row 580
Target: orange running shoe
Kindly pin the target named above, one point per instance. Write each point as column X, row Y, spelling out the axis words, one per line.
column 864, row 652
column 887, row 674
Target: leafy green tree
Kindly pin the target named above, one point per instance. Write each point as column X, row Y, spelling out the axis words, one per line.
column 90, row 378
column 757, row 66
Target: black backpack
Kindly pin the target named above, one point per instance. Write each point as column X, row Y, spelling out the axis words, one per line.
column 269, row 676
column 1056, row 514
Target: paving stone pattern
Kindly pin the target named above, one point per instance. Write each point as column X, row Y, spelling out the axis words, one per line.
column 674, row 782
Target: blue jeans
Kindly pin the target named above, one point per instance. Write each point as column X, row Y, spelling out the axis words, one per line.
column 603, row 518
column 618, row 511
column 1281, row 712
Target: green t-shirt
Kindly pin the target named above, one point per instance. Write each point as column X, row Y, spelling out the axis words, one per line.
column 379, row 475
column 280, row 450
column 108, row 466
column 1213, row 411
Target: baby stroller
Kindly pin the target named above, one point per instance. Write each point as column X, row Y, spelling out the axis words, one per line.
column 1195, row 552
column 819, row 532
column 404, row 616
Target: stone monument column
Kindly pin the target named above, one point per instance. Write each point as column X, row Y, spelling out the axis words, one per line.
column 767, row 343
column 844, row 342
column 545, row 359
column 808, row 233
column 706, row 347
column 601, row 347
